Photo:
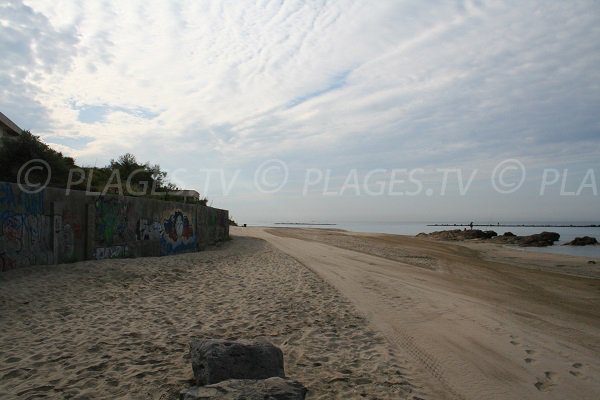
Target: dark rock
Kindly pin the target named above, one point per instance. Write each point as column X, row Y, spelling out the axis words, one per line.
column 591, row 262
column 216, row 360
column 246, row 389
column 583, row 241
column 539, row 239
column 457, row 234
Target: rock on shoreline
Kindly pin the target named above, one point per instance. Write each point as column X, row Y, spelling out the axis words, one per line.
column 537, row 240
column 457, row 234
column 582, row 241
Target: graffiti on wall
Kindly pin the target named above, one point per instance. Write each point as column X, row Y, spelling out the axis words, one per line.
column 111, row 252
column 24, row 240
column 175, row 233
column 149, row 230
column 45, row 227
column 178, row 234
column 26, row 203
column 112, row 221
column 25, row 232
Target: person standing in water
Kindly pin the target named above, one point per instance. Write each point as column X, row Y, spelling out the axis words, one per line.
column 471, row 225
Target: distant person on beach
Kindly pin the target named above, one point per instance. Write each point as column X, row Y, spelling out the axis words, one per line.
column 471, row 225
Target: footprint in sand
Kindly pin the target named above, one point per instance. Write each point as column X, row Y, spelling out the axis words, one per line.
column 530, row 352
column 546, row 384
column 576, row 366
column 514, row 341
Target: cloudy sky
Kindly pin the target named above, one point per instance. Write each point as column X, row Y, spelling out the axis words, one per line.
column 324, row 110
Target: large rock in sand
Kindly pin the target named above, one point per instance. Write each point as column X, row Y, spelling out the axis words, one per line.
column 245, row 389
column 216, row 360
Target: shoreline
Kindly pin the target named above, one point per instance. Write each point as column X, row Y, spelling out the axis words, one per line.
column 591, row 252
column 520, row 225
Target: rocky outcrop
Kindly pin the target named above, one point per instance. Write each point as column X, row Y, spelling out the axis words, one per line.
column 582, row 241
column 246, row 389
column 458, row 234
column 537, row 240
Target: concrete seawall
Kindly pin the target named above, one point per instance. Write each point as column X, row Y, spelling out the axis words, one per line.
column 53, row 226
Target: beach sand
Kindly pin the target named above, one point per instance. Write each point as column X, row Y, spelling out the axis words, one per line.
column 121, row 328
column 467, row 320
column 356, row 315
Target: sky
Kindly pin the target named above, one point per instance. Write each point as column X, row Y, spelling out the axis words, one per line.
column 324, row 111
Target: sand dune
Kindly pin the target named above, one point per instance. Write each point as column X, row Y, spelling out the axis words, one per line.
column 121, row 328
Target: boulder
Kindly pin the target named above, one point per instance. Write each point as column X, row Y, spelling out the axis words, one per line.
column 457, row 234
column 246, row 389
column 477, row 234
column 583, row 241
column 539, row 239
column 509, row 234
column 216, row 360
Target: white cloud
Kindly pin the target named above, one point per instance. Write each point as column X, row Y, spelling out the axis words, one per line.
column 312, row 82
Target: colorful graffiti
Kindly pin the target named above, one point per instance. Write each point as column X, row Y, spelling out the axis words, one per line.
column 28, row 203
column 48, row 227
column 24, row 230
column 112, row 217
column 178, row 227
column 24, row 240
column 178, row 235
column 149, row 230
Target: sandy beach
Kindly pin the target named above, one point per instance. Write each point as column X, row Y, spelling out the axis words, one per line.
column 356, row 315
column 469, row 320
column 115, row 329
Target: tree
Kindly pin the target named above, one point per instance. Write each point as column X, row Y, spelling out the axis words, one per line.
column 134, row 178
column 17, row 151
column 139, row 177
